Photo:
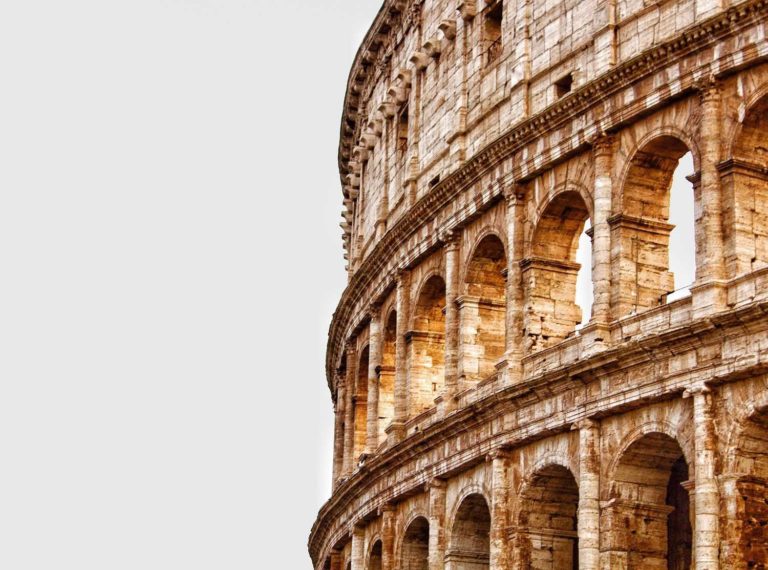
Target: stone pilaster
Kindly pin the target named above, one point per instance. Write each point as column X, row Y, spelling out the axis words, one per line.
column 500, row 547
column 515, row 298
column 338, row 438
column 388, row 537
column 708, row 290
column 436, row 488
column 588, row 524
column 602, row 150
column 349, row 411
column 413, row 164
column 358, row 547
column 396, row 430
column 374, row 367
column 706, row 502
column 451, row 322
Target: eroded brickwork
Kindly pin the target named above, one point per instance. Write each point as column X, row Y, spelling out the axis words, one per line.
column 478, row 424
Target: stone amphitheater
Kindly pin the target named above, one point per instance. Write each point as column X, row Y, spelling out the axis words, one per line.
column 482, row 419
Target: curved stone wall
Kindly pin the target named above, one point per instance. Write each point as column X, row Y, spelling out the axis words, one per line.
column 483, row 420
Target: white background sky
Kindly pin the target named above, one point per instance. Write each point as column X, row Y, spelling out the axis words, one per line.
column 170, row 257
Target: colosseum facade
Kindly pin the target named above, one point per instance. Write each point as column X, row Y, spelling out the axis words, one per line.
column 482, row 418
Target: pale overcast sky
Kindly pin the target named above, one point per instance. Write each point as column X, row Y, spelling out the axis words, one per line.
column 170, row 258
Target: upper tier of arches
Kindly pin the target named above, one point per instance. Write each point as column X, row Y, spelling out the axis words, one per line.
column 436, row 81
column 502, row 287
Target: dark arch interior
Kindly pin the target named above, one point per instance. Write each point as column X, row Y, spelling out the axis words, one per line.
column 548, row 520
column 557, row 234
column 750, row 504
column 483, row 309
column 550, row 275
column 470, row 536
column 745, row 193
column 427, row 350
column 361, row 404
column 650, row 521
column 643, row 228
column 387, row 374
column 376, row 555
column 415, row 554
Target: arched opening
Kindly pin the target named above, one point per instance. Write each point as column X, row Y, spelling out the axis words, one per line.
column 415, row 551
column 374, row 562
column 341, row 403
column 470, row 544
column 483, row 310
column 642, row 277
column 550, row 273
column 427, row 356
column 584, row 286
column 387, row 375
column 745, row 193
column 682, row 262
column 547, row 537
column 746, row 494
column 648, row 521
column 361, row 405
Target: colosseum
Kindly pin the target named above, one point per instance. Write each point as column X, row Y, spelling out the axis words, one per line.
column 486, row 416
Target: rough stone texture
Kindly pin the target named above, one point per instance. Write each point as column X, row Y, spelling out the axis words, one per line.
column 475, row 426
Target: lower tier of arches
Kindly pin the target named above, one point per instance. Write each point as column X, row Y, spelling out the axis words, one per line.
column 676, row 484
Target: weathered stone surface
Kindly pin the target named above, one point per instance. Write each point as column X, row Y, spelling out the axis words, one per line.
column 475, row 426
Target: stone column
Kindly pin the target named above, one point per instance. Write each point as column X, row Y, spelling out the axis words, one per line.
column 338, row 439
column 602, row 150
column 589, row 494
column 708, row 290
column 388, row 537
column 706, row 530
column 451, row 321
column 358, row 547
column 500, row 546
column 349, row 411
column 374, row 367
column 436, row 489
column 396, row 430
column 515, row 198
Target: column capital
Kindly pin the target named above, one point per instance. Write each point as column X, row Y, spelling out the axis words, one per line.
column 514, row 193
column 499, row 453
column 350, row 346
column 403, row 274
column 389, row 507
column 708, row 88
column 585, row 423
column 696, row 390
column 434, row 483
column 602, row 144
column 374, row 311
column 450, row 239
column 356, row 526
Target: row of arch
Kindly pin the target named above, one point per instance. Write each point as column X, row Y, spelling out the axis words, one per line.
column 553, row 286
column 647, row 523
column 646, row 518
